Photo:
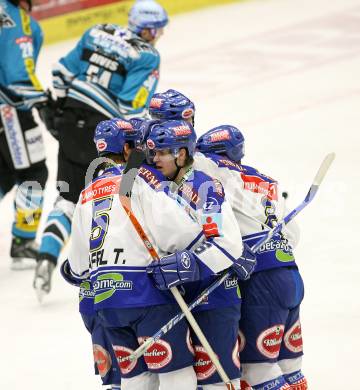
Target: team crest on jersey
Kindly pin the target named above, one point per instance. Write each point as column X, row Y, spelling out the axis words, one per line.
column 269, row 341
column 102, row 359
column 5, row 19
column 293, row 338
column 158, row 355
column 122, row 354
column 203, row 366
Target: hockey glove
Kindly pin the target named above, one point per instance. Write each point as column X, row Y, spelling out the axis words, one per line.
column 47, row 112
column 66, row 273
column 175, row 269
column 244, row 266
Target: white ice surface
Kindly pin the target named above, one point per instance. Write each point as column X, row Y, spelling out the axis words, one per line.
column 287, row 73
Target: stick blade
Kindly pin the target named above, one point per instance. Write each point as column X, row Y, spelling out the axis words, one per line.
column 324, row 167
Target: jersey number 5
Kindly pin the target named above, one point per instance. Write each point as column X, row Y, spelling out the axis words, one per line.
column 100, row 222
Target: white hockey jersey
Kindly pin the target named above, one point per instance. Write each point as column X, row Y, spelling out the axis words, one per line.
column 257, row 205
column 106, row 247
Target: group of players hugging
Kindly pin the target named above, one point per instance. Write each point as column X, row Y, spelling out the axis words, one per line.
column 192, row 211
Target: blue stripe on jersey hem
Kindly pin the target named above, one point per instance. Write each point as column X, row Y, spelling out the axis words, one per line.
column 196, row 239
column 226, row 253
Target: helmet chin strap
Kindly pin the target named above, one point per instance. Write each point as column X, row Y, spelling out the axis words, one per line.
column 178, row 167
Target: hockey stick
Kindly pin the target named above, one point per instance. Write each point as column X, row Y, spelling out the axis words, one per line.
column 309, row 197
column 126, row 203
column 136, row 158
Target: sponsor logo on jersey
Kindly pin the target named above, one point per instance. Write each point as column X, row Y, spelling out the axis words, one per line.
column 23, row 39
column 269, row 341
column 181, row 130
column 203, row 366
column 101, row 145
column 228, row 163
column 276, row 244
column 293, row 338
column 221, row 135
column 86, row 291
column 156, row 103
column 231, row 282
column 34, row 140
column 258, row 185
column 149, row 177
column 157, row 355
column 102, row 359
column 212, row 225
column 211, row 205
column 122, row 354
column 187, row 113
column 107, row 284
column 14, row 136
column 100, row 189
column 187, row 191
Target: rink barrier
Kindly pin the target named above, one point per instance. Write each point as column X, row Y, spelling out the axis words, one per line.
column 73, row 23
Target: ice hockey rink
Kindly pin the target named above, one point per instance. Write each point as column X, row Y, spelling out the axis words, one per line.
column 286, row 72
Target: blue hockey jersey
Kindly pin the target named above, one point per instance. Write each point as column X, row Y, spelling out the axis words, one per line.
column 111, row 69
column 20, row 42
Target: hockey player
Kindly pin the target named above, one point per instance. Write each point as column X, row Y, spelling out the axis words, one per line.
column 124, row 294
column 22, row 154
column 106, row 364
column 111, row 72
column 270, row 330
column 228, row 142
column 130, row 307
column 171, row 146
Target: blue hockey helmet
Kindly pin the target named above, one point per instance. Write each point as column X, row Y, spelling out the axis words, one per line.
column 173, row 135
column 171, row 105
column 146, row 14
column 223, row 139
column 111, row 135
